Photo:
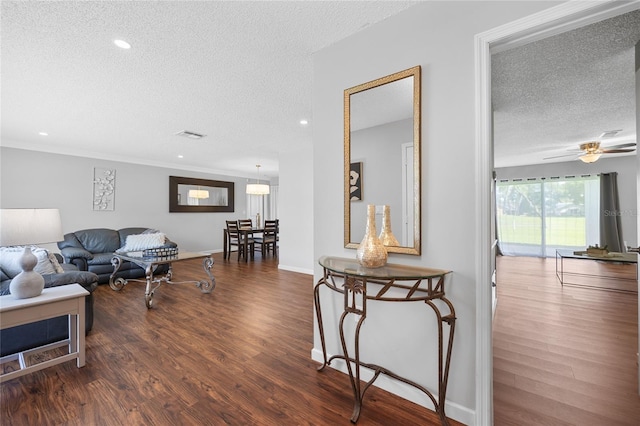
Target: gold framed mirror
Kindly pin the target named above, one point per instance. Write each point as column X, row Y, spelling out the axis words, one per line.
column 382, row 134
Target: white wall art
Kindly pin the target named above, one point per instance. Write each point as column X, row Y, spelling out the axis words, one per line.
column 104, row 189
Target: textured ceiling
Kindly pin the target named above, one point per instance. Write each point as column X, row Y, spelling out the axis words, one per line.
column 241, row 73
column 553, row 94
column 238, row 72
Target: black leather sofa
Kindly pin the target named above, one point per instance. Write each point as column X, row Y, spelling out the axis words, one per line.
column 92, row 250
column 40, row 333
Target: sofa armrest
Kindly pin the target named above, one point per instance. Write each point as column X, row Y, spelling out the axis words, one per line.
column 73, row 252
column 88, row 280
column 77, row 256
column 169, row 244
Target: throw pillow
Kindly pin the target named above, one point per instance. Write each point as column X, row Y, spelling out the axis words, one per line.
column 55, row 263
column 138, row 242
column 10, row 260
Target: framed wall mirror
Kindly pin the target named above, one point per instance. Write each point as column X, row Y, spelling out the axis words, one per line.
column 382, row 135
column 200, row 195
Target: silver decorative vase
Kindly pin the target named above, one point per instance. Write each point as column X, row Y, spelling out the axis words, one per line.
column 371, row 252
column 386, row 236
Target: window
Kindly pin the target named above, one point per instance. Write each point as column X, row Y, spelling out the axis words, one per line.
column 266, row 205
column 537, row 216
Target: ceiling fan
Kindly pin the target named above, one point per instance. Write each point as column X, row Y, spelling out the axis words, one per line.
column 591, row 151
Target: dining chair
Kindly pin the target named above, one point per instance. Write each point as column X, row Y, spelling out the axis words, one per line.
column 236, row 238
column 268, row 239
column 245, row 223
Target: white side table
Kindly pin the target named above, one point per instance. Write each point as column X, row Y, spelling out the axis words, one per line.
column 53, row 302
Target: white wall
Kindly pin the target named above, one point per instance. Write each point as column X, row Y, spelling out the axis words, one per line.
column 439, row 37
column 627, row 174
column 31, row 179
column 638, row 180
column 296, row 210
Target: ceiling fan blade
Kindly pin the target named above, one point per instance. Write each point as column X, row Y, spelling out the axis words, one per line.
column 616, row 151
column 624, row 145
column 560, row 156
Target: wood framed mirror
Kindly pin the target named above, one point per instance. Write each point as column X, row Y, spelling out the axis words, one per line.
column 191, row 195
column 382, row 138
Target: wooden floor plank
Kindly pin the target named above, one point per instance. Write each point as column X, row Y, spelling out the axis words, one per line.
column 563, row 355
column 237, row 356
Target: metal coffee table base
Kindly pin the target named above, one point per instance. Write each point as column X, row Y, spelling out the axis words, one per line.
column 154, row 282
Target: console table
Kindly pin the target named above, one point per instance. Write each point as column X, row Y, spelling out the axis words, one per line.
column 53, row 302
column 391, row 283
column 150, row 264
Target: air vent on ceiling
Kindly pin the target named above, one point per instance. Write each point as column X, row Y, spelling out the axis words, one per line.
column 609, row 133
column 190, row 135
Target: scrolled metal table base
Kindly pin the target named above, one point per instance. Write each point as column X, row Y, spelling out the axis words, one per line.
column 354, row 288
column 153, row 283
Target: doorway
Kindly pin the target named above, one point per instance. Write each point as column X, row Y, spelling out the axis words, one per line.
column 556, row 20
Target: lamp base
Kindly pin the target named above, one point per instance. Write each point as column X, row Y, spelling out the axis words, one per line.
column 27, row 283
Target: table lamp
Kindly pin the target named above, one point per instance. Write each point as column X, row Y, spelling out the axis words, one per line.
column 29, row 226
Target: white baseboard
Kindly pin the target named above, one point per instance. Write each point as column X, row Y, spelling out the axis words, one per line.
column 211, row 251
column 454, row 411
column 296, row 269
column 495, row 305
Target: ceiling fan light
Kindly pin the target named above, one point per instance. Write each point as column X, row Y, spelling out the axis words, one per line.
column 590, row 157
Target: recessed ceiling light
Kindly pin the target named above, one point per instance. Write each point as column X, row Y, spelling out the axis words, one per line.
column 180, row 156
column 304, row 122
column 43, row 133
column 122, row 44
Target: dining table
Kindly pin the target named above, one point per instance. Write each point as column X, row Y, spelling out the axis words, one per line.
column 244, row 232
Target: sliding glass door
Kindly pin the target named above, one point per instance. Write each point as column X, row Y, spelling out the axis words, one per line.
column 537, row 216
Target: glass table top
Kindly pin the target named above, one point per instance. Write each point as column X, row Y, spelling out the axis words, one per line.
column 390, row 270
column 137, row 257
column 611, row 256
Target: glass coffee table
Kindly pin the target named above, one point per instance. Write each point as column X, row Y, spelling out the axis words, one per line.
column 150, row 265
column 593, row 277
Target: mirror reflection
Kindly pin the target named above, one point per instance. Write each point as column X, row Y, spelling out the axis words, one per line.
column 200, row 195
column 196, row 195
column 382, row 157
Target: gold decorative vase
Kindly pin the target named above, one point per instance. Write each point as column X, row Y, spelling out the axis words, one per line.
column 386, row 236
column 371, row 252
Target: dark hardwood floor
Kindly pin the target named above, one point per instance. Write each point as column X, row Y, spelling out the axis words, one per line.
column 564, row 355
column 237, row 356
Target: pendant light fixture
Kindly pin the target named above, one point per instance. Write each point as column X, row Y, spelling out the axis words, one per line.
column 257, row 188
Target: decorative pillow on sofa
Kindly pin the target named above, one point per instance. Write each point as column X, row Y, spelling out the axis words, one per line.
column 138, row 242
column 54, row 262
column 10, row 261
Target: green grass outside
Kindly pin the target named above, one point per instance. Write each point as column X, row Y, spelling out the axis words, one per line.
column 560, row 231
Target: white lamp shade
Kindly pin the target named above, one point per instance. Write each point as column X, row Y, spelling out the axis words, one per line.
column 198, row 193
column 30, row 226
column 257, row 189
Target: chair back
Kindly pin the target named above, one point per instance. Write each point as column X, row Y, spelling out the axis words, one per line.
column 232, row 228
column 273, row 224
column 245, row 223
column 270, row 229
